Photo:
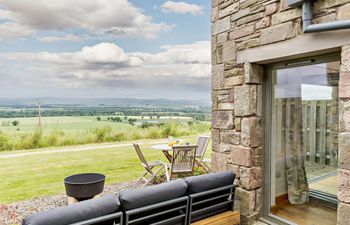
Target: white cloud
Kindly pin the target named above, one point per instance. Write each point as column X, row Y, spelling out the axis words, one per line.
column 120, row 18
column 198, row 52
column 10, row 31
column 67, row 37
column 100, row 56
column 107, row 62
column 103, row 53
column 182, row 7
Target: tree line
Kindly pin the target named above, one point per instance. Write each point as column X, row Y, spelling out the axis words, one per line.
column 106, row 111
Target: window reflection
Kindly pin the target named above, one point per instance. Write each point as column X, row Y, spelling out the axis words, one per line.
column 304, row 130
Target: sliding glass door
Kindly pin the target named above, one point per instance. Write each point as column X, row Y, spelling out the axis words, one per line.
column 301, row 146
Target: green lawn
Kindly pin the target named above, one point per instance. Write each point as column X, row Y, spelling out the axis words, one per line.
column 42, row 175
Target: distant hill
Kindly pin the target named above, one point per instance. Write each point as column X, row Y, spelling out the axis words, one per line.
column 116, row 102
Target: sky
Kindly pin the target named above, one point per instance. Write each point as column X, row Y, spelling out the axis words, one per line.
column 311, row 82
column 105, row 48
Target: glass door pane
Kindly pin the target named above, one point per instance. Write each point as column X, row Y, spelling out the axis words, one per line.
column 304, row 145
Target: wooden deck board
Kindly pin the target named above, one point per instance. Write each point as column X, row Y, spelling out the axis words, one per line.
column 306, row 214
column 226, row 218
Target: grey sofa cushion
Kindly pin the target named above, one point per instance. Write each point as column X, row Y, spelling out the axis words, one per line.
column 207, row 182
column 75, row 213
column 152, row 194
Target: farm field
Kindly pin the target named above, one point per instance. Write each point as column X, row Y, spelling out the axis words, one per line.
column 28, row 176
column 76, row 123
column 77, row 130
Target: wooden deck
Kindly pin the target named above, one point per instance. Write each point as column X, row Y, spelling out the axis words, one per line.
column 306, row 214
column 226, row 218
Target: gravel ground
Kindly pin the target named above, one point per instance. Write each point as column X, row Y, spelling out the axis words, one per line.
column 14, row 213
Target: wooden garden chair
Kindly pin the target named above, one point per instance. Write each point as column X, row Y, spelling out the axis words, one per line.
column 202, row 143
column 182, row 161
column 149, row 174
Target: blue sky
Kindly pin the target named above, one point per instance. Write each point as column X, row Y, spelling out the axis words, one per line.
column 105, row 48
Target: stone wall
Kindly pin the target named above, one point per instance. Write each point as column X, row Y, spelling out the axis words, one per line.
column 237, row 97
column 344, row 138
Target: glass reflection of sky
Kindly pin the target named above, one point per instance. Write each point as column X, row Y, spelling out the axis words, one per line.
column 308, row 82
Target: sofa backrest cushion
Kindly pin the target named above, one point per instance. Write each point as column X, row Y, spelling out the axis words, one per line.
column 210, row 181
column 77, row 212
column 152, row 194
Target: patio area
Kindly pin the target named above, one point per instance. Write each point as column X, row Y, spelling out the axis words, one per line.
column 205, row 199
column 116, row 161
column 181, row 201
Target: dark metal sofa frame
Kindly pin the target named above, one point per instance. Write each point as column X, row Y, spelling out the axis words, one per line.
column 184, row 204
column 218, row 200
column 197, row 199
column 181, row 204
column 117, row 217
column 187, row 206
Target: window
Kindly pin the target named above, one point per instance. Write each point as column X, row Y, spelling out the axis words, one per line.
column 301, row 141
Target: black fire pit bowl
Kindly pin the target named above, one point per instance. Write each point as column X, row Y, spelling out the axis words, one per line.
column 85, row 185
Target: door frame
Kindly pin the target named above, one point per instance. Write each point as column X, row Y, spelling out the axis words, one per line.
column 267, row 216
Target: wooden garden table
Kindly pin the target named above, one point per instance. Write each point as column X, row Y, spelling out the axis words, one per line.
column 165, row 148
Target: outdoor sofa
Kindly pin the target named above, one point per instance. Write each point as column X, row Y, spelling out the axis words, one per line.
column 179, row 202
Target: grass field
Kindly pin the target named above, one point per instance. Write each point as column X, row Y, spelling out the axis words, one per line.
column 26, row 177
column 74, row 123
column 64, row 131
